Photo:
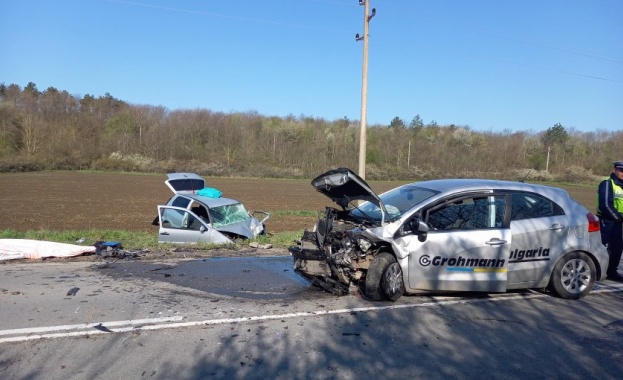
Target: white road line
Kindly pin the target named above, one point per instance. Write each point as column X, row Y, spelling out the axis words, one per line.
column 148, row 324
column 82, row 326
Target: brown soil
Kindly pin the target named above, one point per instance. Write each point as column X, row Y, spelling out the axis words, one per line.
column 64, row 201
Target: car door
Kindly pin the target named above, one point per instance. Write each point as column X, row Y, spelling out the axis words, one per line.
column 466, row 248
column 179, row 225
column 540, row 228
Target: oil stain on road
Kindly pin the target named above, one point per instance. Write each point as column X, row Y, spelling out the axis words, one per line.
column 257, row 278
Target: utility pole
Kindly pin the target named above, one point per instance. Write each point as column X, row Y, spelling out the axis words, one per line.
column 367, row 16
column 547, row 162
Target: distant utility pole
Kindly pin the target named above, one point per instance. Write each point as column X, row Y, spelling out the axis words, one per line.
column 367, row 16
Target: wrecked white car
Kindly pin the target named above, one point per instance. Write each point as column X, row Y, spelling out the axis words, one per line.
column 450, row 235
column 199, row 214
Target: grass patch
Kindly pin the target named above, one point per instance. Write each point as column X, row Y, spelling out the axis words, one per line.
column 302, row 213
column 130, row 240
column 143, row 240
column 281, row 239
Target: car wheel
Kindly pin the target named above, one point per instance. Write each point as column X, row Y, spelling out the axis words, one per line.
column 392, row 284
column 384, row 278
column 573, row 276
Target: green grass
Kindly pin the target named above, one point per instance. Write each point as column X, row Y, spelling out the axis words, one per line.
column 129, row 239
column 282, row 239
column 141, row 240
column 303, row 213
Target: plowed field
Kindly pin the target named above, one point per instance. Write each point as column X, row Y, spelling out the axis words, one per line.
column 76, row 200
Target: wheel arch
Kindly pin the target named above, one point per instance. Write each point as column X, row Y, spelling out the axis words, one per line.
column 544, row 281
column 598, row 268
column 565, row 286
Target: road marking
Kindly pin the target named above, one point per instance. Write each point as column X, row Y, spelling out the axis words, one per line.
column 87, row 329
column 84, row 326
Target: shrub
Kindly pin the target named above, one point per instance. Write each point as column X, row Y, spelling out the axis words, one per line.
column 577, row 174
column 119, row 162
column 532, row 175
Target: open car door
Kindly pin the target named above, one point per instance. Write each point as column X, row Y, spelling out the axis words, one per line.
column 179, row 225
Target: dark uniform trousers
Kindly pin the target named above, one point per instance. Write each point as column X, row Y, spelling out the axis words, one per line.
column 612, row 237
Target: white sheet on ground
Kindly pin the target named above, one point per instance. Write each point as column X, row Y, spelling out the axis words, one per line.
column 12, row 249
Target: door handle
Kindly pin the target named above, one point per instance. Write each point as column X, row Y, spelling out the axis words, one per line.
column 557, row 227
column 496, row 241
column 164, row 233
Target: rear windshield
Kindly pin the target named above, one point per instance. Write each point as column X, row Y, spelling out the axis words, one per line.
column 187, row 184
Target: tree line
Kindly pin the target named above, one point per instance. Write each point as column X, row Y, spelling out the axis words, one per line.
column 54, row 130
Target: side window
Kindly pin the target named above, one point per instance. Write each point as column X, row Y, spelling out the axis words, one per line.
column 468, row 214
column 180, row 202
column 172, row 218
column 527, row 206
column 193, row 223
column 201, row 212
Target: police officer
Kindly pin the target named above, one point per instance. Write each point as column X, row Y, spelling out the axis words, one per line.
column 610, row 212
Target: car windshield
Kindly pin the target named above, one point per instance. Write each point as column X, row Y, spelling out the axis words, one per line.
column 227, row 215
column 396, row 201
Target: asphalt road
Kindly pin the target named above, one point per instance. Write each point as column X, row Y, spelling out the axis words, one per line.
column 253, row 318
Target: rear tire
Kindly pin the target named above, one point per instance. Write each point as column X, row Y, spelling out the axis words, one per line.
column 384, row 278
column 573, row 276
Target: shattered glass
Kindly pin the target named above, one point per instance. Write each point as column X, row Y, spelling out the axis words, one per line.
column 228, row 215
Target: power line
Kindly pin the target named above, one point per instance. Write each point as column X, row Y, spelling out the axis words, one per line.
column 555, row 70
column 239, row 18
column 479, row 29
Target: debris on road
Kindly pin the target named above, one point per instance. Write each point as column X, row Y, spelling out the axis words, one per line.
column 260, row 246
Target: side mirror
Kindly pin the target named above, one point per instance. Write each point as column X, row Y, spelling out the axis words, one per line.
column 414, row 227
column 422, row 230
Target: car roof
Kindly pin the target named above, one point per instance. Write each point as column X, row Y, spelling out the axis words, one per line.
column 208, row 201
column 467, row 184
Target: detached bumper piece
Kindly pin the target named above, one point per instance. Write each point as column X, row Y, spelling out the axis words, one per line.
column 311, row 264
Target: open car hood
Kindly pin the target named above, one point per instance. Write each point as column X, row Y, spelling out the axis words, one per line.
column 343, row 186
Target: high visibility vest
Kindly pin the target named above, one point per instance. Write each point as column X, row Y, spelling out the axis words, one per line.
column 618, row 195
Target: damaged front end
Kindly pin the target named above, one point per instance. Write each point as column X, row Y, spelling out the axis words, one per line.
column 336, row 254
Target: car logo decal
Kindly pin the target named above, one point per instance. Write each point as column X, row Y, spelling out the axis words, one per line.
column 465, row 264
column 536, row 254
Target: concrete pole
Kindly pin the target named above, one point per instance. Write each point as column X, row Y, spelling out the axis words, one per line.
column 364, row 91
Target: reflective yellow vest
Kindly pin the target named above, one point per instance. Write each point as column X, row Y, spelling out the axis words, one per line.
column 618, row 195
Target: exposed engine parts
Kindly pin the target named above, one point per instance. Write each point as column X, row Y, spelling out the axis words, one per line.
column 334, row 255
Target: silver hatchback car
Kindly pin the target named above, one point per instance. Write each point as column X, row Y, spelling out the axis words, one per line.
column 450, row 235
column 199, row 214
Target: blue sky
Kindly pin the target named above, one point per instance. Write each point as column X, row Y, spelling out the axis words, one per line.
column 491, row 65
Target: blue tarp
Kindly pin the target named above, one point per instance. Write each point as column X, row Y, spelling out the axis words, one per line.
column 209, row 192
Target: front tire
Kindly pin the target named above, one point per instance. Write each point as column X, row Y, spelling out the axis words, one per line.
column 384, row 278
column 573, row 276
